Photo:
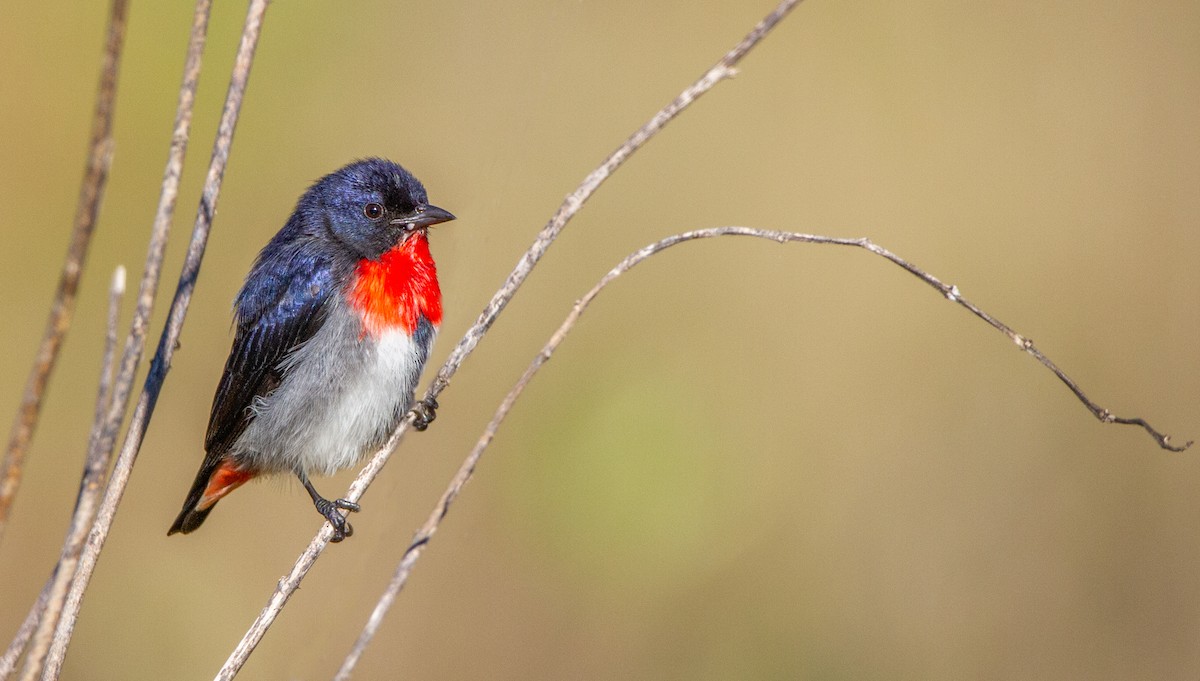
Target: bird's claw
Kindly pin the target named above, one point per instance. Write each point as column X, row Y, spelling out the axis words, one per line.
column 424, row 412
column 329, row 509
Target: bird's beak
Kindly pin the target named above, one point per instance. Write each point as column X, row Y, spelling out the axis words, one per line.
column 425, row 217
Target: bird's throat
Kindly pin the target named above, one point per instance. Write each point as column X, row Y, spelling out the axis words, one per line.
column 395, row 290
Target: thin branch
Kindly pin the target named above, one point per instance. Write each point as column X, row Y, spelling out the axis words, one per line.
column 135, row 342
column 104, row 432
column 85, row 504
column 1023, row 342
column 467, row 469
column 95, row 472
column 161, row 363
column 722, row 70
column 61, row 310
column 108, row 371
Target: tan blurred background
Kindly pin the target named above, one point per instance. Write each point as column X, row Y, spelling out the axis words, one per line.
column 750, row 461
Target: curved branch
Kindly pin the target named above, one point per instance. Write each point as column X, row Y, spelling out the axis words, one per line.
column 467, row 469
column 722, row 70
column 61, row 310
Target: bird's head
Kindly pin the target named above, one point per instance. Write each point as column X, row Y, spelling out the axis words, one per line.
column 370, row 206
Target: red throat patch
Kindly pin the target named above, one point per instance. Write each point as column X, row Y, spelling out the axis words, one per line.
column 394, row 290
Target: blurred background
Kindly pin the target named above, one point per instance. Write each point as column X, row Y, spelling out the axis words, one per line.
column 749, row 461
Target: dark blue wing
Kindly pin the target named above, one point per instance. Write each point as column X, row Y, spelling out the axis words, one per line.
column 281, row 310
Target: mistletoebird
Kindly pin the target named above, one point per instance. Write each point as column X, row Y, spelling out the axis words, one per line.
column 334, row 325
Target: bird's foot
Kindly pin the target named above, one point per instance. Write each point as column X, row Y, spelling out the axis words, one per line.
column 424, row 412
column 329, row 509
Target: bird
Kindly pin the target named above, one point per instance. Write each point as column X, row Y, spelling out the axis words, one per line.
column 334, row 324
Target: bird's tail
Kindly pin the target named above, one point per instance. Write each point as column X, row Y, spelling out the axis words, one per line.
column 218, row 476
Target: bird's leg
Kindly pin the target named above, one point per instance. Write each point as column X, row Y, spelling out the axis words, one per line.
column 424, row 412
column 329, row 509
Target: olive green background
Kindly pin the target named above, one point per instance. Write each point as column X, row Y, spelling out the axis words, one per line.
column 750, row 461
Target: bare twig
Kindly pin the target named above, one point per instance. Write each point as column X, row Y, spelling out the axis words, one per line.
column 95, row 471
column 467, row 469
column 723, row 69
column 94, row 179
column 104, row 431
column 161, row 363
column 108, row 367
column 111, row 413
column 720, row 71
column 168, row 195
column 85, row 505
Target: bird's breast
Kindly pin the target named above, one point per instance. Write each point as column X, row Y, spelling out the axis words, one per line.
column 396, row 290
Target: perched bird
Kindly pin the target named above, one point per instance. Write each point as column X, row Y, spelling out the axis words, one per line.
column 334, row 324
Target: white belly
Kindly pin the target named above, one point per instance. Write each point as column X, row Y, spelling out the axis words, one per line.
column 341, row 397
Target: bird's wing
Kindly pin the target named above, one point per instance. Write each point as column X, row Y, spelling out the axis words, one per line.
column 283, row 309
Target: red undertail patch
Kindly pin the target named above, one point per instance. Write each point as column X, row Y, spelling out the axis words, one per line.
column 228, row 477
column 394, row 290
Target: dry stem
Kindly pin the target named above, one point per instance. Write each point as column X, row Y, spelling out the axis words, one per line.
column 111, row 409
column 105, row 438
column 95, row 471
column 61, row 310
column 167, row 342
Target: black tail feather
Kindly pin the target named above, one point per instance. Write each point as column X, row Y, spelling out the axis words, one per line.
column 190, row 518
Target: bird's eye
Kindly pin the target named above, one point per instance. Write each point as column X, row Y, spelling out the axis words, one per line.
column 373, row 211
